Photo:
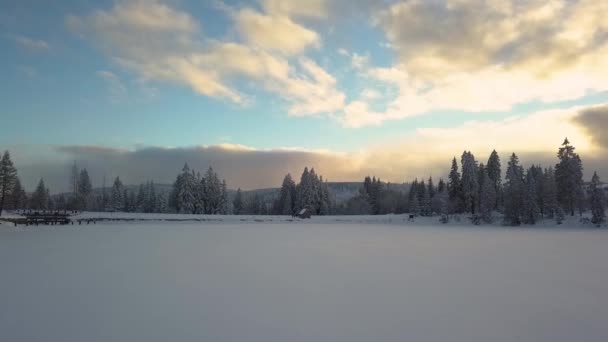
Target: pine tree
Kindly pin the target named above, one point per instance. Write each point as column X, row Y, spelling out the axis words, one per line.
column 441, row 185
column 305, row 190
column 549, row 193
column 212, row 193
column 40, row 199
column 84, row 189
column 495, row 174
column 224, row 198
column 455, row 188
column 8, row 177
column 425, row 204
column 470, row 185
column 531, row 211
column 104, row 195
column 118, row 200
column 569, row 178
column 597, row 200
column 74, row 178
column 415, row 206
column 413, row 190
column 18, row 198
column 186, row 197
column 286, row 205
column 514, row 192
column 431, row 187
column 325, row 206
column 487, row 195
column 237, row 203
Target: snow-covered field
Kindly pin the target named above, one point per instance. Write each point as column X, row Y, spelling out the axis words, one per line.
column 326, row 279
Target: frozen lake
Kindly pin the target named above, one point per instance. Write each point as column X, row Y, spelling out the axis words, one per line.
column 302, row 282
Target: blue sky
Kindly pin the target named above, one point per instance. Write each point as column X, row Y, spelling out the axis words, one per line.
column 345, row 78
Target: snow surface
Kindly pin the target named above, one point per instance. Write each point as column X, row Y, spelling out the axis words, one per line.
column 314, row 280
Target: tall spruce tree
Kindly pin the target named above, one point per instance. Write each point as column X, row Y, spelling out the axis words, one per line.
column 286, row 203
column 18, row 198
column 487, row 196
column 514, row 192
column 549, row 193
column 118, row 199
column 597, row 199
column 470, row 184
column 8, row 177
column 455, row 188
column 531, row 210
column 238, row 206
column 187, row 187
column 84, row 189
column 569, row 178
column 40, row 198
column 495, row 174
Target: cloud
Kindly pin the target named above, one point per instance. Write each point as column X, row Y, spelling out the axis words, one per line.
column 487, row 56
column 428, row 151
column 594, row 121
column 161, row 43
column 309, row 8
column 275, row 32
column 34, row 45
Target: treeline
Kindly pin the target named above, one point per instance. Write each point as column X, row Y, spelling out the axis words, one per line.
column 524, row 197
column 196, row 194
column 311, row 193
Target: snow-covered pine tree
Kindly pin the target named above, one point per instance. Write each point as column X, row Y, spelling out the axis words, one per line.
column 431, row 187
column 212, row 192
column 224, row 198
column 415, row 206
column 315, row 191
column 150, row 198
column 18, row 199
column 495, row 174
column 455, row 188
column 141, row 198
column 413, row 190
column 569, row 178
column 487, row 195
column 40, row 200
column 305, row 189
column 85, row 188
column 117, row 198
column 549, row 193
column 513, row 192
column 325, row 206
column 104, row 195
column 425, row 204
column 187, row 186
column 8, row 177
column 74, row 179
column 597, row 199
column 286, row 196
column 50, row 204
column 237, row 203
column 441, row 185
column 126, row 205
column 481, row 172
column 470, row 185
column 531, row 210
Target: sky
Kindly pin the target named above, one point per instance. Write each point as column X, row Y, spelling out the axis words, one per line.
column 256, row 89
